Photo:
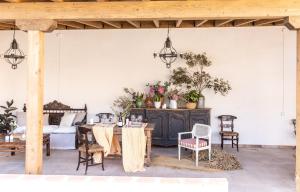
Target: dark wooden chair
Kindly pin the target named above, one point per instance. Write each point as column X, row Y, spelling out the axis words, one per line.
column 227, row 130
column 87, row 149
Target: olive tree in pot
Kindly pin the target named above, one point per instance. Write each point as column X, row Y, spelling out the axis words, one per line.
column 194, row 77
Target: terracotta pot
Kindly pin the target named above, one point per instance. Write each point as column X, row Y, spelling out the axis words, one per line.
column 191, row 105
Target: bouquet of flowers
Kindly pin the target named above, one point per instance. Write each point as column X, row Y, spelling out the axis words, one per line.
column 173, row 94
column 158, row 89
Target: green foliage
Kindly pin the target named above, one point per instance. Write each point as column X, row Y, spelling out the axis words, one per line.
column 156, row 98
column 198, row 79
column 7, row 122
column 136, row 96
column 122, row 104
column 192, row 96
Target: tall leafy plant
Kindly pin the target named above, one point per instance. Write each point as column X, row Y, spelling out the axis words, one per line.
column 7, row 121
column 195, row 77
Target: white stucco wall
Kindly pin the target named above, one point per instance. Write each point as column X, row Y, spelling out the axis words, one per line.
column 93, row 66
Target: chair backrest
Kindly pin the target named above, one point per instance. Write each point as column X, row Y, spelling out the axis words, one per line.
column 227, row 122
column 83, row 139
column 201, row 130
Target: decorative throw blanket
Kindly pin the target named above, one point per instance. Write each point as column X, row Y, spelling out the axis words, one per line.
column 134, row 148
column 104, row 135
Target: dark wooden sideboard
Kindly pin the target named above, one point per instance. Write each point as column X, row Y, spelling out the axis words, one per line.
column 169, row 122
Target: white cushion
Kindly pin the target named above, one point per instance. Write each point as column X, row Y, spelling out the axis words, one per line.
column 21, row 118
column 65, row 129
column 67, row 119
column 46, row 119
column 19, row 130
column 46, row 129
column 79, row 117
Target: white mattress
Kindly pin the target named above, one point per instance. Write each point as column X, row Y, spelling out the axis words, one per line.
column 50, row 129
column 61, row 137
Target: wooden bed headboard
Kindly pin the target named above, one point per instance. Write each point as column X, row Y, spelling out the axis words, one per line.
column 56, row 110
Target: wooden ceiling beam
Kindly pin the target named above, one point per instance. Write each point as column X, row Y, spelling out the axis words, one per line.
column 220, row 23
column 134, row 23
column 267, row 21
column 71, row 24
column 178, row 23
column 156, row 23
column 240, row 23
column 113, row 24
column 151, row 10
column 93, row 24
column 43, row 25
column 199, row 23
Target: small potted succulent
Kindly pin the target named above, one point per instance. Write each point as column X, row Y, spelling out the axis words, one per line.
column 191, row 98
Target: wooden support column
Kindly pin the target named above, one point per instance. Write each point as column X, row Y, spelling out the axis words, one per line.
column 298, row 115
column 35, row 95
column 35, row 91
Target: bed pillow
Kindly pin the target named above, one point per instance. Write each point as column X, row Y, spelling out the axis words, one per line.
column 46, row 119
column 67, row 119
column 21, row 118
column 79, row 117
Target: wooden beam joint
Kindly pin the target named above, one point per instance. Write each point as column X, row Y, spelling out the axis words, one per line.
column 44, row 25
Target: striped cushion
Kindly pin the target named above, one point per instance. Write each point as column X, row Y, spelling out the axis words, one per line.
column 191, row 143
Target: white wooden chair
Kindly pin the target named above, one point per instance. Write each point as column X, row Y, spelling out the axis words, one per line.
column 200, row 140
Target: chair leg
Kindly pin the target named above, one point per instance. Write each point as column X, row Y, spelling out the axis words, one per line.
column 179, row 152
column 79, row 155
column 237, row 144
column 197, row 158
column 222, row 142
column 86, row 162
column 102, row 159
column 232, row 142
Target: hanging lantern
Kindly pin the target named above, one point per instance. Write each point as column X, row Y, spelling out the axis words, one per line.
column 14, row 55
column 167, row 54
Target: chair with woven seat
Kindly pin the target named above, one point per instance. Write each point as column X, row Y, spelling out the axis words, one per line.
column 227, row 130
column 87, row 149
column 200, row 140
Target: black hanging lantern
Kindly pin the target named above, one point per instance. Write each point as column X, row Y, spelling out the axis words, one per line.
column 14, row 55
column 167, row 54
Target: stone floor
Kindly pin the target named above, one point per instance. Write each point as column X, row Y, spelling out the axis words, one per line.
column 263, row 169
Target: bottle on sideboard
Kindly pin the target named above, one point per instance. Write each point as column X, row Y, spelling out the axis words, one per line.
column 120, row 121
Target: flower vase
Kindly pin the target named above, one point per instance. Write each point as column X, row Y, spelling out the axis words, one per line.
column 157, row 104
column 173, row 104
column 139, row 104
column 201, row 102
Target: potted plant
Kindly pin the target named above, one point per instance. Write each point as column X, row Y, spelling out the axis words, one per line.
column 157, row 101
column 158, row 89
column 7, row 121
column 137, row 97
column 195, row 77
column 173, row 96
column 191, row 98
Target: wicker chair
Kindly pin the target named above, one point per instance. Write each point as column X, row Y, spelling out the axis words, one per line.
column 87, row 149
column 200, row 140
column 227, row 130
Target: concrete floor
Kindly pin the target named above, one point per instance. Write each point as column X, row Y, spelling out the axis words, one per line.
column 263, row 169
